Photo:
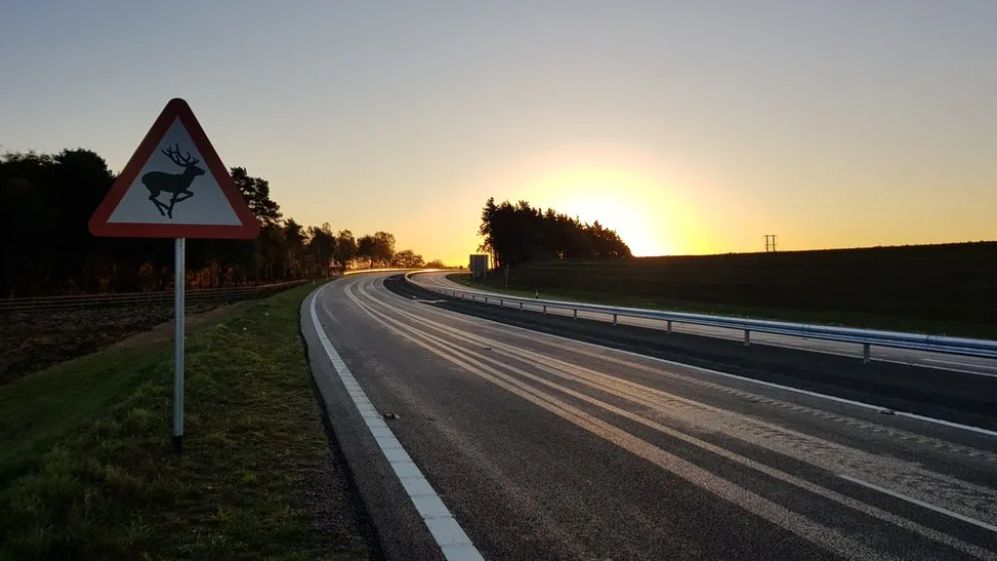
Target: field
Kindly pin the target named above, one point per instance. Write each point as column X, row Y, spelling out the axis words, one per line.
column 39, row 332
column 948, row 288
column 87, row 471
column 32, row 340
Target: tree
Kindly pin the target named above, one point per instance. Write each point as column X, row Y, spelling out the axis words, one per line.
column 256, row 191
column 346, row 249
column 606, row 243
column 294, row 237
column 24, row 219
column 407, row 259
column 271, row 250
column 367, row 249
column 321, row 245
column 384, row 248
column 517, row 233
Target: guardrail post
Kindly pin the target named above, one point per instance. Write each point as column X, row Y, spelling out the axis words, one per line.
column 576, row 313
column 520, row 306
column 545, row 309
column 501, row 303
column 486, row 299
column 866, row 353
column 747, row 338
column 669, row 323
column 614, row 319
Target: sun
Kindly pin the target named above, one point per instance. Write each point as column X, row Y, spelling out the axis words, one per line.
column 619, row 200
column 620, row 215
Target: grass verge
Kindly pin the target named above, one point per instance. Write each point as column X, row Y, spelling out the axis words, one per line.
column 87, row 471
column 846, row 318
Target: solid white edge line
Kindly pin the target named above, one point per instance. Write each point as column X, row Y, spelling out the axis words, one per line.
column 920, row 503
column 861, row 404
column 945, row 368
column 961, row 363
column 446, row 532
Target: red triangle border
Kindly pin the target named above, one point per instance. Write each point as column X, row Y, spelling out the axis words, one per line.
column 176, row 108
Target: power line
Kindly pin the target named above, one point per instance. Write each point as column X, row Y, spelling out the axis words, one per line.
column 769, row 243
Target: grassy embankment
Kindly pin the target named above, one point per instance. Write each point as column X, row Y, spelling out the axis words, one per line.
column 950, row 288
column 86, row 469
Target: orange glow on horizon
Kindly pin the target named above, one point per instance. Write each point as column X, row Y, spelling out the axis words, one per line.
column 650, row 214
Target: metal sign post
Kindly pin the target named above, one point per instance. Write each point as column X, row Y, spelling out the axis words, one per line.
column 179, row 311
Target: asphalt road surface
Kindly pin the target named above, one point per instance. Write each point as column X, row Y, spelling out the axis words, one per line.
column 975, row 365
column 469, row 438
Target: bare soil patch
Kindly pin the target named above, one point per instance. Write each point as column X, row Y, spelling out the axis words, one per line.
column 33, row 340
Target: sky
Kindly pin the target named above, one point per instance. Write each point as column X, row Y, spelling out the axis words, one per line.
column 689, row 127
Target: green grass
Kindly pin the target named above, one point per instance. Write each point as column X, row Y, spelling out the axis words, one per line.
column 87, row 471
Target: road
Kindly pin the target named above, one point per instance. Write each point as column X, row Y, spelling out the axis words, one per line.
column 975, row 365
column 474, row 439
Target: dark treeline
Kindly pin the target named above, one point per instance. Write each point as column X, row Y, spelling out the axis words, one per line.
column 46, row 248
column 518, row 233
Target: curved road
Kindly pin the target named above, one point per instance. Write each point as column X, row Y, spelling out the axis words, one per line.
column 473, row 439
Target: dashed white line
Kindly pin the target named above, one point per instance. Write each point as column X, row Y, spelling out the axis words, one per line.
column 447, row 533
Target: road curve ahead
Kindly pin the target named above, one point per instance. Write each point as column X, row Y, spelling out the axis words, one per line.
column 471, row 439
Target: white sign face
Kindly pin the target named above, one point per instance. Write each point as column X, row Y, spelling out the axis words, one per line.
column 175, row 187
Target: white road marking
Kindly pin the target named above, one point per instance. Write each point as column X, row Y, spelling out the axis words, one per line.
column 921, row 503
column 804, row 527
column 651, row 397
column 960, row 363
column 447, row 533
column 467, row 353
column 945, row 368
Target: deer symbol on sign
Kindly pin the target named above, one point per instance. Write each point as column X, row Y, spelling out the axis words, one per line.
column 178, row 184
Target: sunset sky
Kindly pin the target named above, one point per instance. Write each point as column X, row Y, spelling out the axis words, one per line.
column 690, row 127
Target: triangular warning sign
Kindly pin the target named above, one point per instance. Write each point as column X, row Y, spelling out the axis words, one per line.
column 174, row 186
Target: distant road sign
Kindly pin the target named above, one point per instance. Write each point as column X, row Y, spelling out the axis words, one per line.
column 174, row 186
column 478, row 264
